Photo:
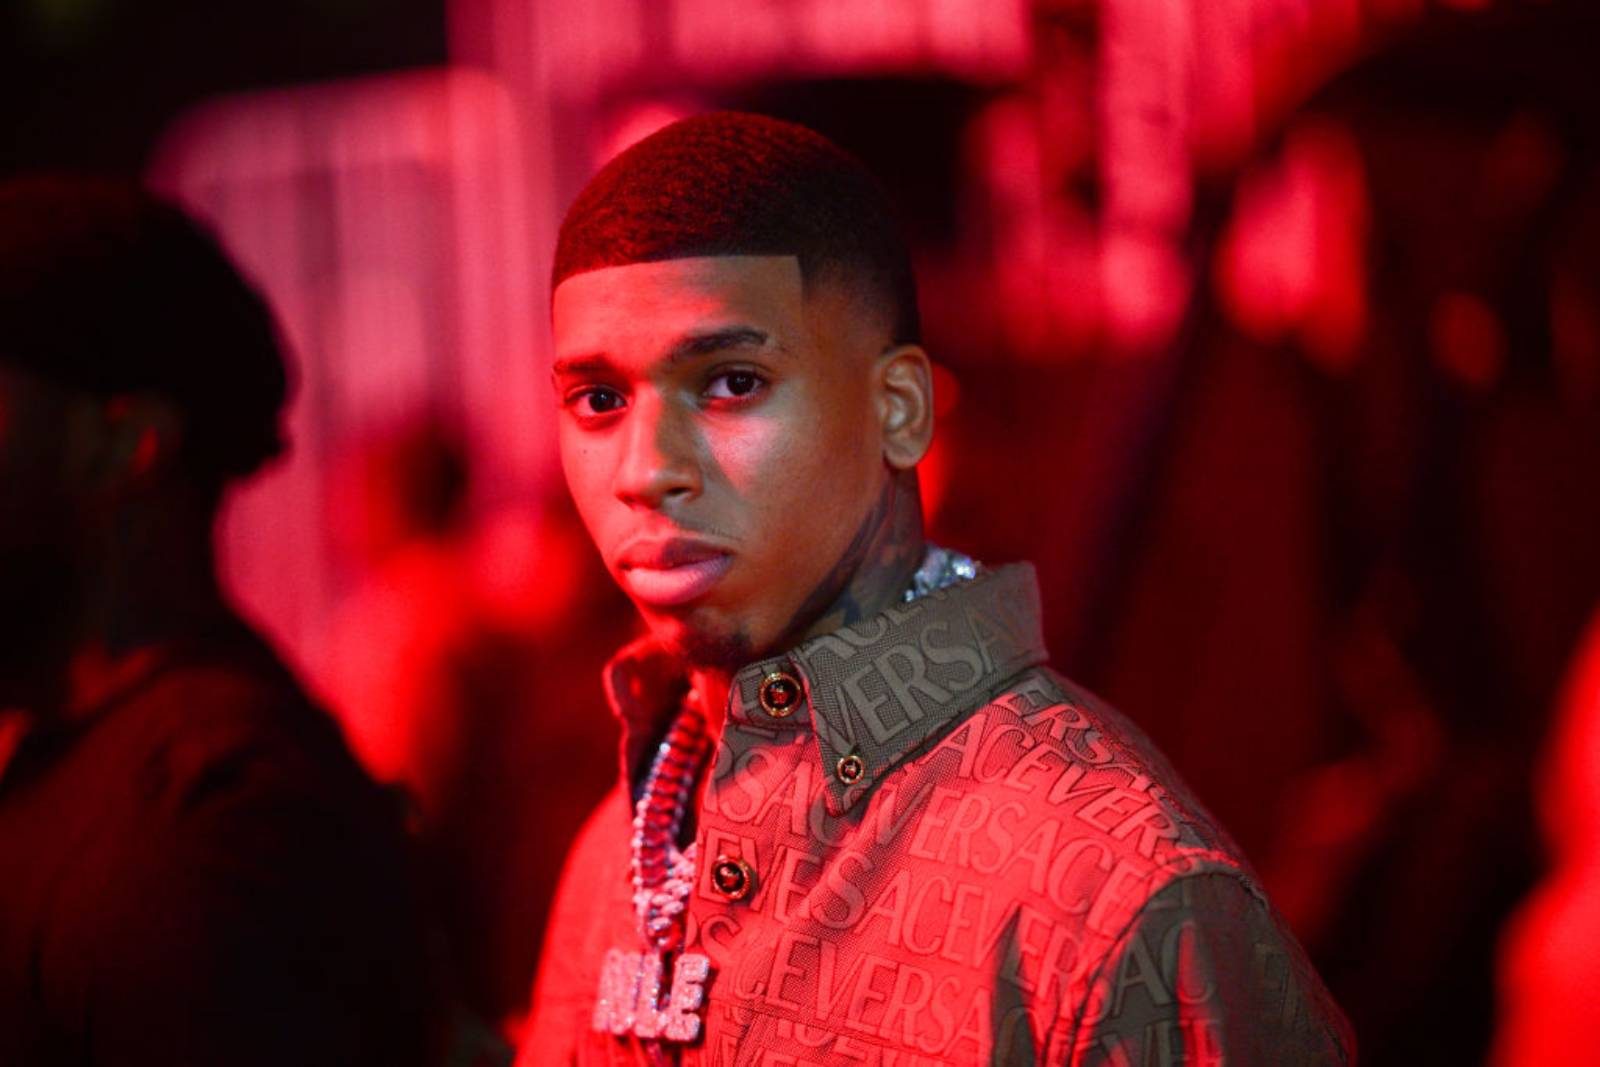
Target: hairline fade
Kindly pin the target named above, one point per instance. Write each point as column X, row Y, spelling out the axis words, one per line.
column 736, row 184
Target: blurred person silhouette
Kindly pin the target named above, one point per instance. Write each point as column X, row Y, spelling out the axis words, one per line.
column 195, row 869
column 459, row 666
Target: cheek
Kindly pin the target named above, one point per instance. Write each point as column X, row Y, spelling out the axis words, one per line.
column 800, row 474
column 822, row 426
column 584, row 463
column 756, row 456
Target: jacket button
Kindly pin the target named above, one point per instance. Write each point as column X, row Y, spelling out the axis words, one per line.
column 850, row 769
column 732, row 877
column 780, row 694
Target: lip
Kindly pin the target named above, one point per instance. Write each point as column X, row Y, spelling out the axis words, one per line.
column 672, row 571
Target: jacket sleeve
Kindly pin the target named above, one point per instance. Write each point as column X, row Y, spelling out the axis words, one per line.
column 1206, row 973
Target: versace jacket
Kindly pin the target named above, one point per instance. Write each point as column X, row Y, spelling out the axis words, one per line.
column 918, row 844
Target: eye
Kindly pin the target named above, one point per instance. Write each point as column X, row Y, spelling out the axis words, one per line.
column 734, row 385
column 595, row 400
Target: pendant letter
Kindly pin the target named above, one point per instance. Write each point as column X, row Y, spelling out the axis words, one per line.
column 629, row 998
column 681, row 1020
column 619, row 991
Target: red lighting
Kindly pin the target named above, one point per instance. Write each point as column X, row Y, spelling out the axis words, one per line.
column 1468, row 340
column 1293, row 262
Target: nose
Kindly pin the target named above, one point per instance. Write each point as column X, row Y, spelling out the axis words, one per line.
column 658, row 461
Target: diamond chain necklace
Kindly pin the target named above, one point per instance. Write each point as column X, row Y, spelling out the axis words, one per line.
column 629, row 999
column 662, row 874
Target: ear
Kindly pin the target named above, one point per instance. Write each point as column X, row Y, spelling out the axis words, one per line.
column 125, row 442
column 905, row 404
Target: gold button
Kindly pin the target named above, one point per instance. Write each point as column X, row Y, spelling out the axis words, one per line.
column 732, row 877
column 780, row 694
column 850, row 769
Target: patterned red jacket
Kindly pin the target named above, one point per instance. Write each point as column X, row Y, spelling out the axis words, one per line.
column 955, row 857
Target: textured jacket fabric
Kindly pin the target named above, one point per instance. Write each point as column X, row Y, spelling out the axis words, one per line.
column 1016, row 877
column 197, row 874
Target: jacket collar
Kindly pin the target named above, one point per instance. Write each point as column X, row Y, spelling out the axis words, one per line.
column 875, row 690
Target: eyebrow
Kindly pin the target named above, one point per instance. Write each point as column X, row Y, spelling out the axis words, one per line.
column 690, row 346
column 700, row 344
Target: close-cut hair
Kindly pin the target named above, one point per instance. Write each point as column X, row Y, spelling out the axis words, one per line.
column 729, row 183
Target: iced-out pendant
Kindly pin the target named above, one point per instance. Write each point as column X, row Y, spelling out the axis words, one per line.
column 629, row 998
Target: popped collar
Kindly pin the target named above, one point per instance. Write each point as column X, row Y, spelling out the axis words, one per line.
column 877, row 689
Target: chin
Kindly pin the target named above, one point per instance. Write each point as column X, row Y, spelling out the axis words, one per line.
column 703, row 639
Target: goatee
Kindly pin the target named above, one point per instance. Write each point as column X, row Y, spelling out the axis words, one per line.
column 724, row 653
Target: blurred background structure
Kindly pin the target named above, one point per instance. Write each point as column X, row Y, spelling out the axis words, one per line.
column 1271, row 332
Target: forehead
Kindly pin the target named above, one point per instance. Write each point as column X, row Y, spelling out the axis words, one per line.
column 641, row 305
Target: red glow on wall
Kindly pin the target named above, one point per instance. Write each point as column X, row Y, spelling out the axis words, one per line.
column 1575, row 338
column 390, row 223
column 1293, row 261
column 1550, row 959
column 1468, row 340
column 635, row 124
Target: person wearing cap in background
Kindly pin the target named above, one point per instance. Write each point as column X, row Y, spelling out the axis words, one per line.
column 192, row 868
column 860, row 820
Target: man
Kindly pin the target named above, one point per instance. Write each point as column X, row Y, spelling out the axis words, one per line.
column 860, row 819
column 194, row 870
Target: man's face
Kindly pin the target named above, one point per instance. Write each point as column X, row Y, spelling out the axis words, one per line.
column 721, row 438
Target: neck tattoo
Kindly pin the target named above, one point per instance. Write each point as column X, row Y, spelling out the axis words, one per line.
column 630, row 994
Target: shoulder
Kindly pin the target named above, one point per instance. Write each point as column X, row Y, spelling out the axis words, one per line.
column 247, row 851
column 1052, row 751
column 1067, row 804
column 223, row 774
column 586, row 898
column 1208, row 955
column 1063, row 799
column 601, row 843
column 222, row 730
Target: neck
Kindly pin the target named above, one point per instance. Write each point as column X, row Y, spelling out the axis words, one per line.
column 142, row 582
column 873, row 574
column 875, row 570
